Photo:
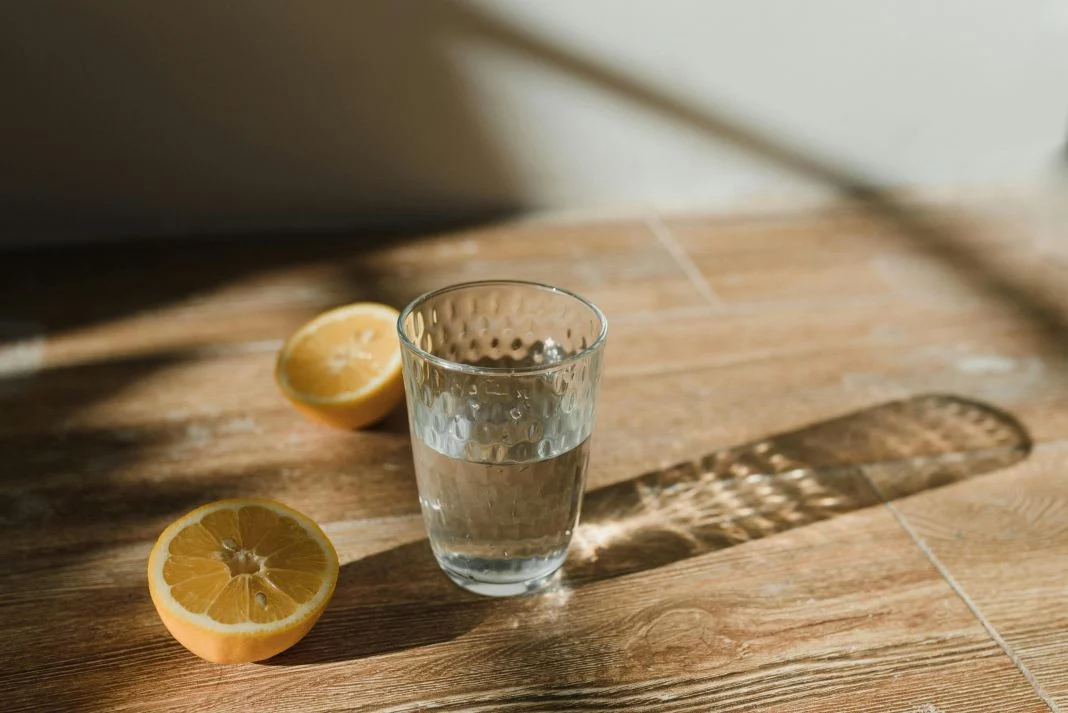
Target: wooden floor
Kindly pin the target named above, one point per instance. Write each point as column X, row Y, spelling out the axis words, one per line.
column 830, row 471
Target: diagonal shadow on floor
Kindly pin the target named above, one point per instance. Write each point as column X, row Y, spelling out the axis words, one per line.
column 398, row 599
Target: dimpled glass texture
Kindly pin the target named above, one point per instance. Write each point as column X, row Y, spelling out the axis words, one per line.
column 501, row 381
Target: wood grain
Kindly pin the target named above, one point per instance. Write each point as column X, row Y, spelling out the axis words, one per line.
column 215, row 294
column 795, row 622
column 989, row 257
column 1005, row 542
column 734, row 555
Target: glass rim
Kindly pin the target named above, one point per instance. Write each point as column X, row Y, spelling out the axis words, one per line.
column 451, row 365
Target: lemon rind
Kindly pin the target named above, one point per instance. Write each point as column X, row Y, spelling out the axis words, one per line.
column 345, row 398
column 163, row 590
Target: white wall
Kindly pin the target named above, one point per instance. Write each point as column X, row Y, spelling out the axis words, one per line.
column 905, row 92
column 250, row 114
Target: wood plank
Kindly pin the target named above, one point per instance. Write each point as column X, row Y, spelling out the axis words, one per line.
column 885, row 254
column 928, row 441
column 822, row 258
column 759, row 572
column 1004, row 540
column 74, row 576
column 400, row 587
column 786, row 623
column 219, row 424
column 866, row 344
column 216, row 426
column 164, row 300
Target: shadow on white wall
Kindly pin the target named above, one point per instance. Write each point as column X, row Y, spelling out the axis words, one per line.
column 128, row 118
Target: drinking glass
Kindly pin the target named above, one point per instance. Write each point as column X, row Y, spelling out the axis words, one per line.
column 501, row 380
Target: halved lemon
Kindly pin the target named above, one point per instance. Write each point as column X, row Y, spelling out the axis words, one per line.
column 343, row 368
column 241, row 580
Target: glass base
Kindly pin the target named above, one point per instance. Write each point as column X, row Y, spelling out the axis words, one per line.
column 500, row 589
column 501, row 577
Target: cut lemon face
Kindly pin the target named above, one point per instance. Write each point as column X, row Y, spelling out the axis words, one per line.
column 241, row 580
column 343, row 368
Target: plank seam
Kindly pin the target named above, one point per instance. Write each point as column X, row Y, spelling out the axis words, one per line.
column 968, row 601
column 667, row 239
